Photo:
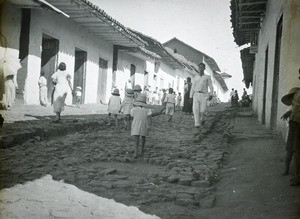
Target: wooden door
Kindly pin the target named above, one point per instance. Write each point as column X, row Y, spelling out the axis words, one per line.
column 276, row 75
column 49, row 61
column 80, row 72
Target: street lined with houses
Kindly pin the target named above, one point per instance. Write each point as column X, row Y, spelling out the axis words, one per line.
column 184, row 111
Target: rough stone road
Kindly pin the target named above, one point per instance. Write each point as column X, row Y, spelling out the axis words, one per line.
column 178, row 176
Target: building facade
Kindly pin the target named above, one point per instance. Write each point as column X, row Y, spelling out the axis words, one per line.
column 273, row 59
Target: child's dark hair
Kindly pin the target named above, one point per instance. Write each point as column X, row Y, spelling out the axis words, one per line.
column 170, row 90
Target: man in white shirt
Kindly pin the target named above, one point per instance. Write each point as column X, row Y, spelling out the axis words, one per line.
column 199, row 92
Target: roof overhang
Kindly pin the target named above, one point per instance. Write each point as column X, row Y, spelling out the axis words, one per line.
column 247, row 65
column 220, row 80
column 89, row 16
column 246, row 19
column 156, row 47
column 210, row 61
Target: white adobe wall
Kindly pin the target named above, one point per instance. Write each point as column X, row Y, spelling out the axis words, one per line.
column 10, row 23
column 123, row 72
column 289, row 59
column 70, row 35
column 168, row 74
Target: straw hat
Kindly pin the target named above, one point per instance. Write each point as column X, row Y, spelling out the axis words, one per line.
column 116, row 92
column 129, row 93
column 137, row 87
column 287, row 99
column 141, row 100
column 78, row 88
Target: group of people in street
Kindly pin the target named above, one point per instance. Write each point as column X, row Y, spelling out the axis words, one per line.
column 235, row 100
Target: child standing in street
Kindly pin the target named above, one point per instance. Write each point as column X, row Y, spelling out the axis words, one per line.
column 114, row 106
column 139, row 126
column 43, row 89
column 179, row 99
column 170, row 104
column 78, row 95
column 127, row 105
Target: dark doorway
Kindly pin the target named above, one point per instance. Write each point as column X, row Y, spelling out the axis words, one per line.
column 102, row 81
column 79, row 72
column 49, row 60
column 265, row 86
column 276, row 74
column 146, row 79
column 132, row 74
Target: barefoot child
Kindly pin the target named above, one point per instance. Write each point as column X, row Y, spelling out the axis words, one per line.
column 78, row 95
column 179, row 99
column 140, row 122
column 114, row 106
column 170, row 104
column 127, row 105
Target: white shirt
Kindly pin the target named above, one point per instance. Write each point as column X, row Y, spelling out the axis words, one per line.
column 201, row 83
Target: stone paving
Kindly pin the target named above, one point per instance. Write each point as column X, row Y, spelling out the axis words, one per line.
column 175, row 176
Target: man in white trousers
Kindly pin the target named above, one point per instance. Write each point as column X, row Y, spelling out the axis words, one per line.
column 199, row 93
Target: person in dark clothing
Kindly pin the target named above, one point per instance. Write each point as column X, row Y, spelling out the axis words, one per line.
column 187, row 104
column 235, row 99
column 1, row 121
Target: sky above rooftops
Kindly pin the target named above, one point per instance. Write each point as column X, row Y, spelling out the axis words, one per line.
column 202, row 24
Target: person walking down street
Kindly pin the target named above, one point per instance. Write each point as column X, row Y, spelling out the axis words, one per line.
column 199, row 92
column 43, row 89
column 235, row 99
column 140, row 126
column 114, row 106
column 244, row 93
column 78, row 95
column 163, row 98
column 187, row 103
column 232, row 93
column 293, row 141
column 170, row 104
column 179, row 99
column 62, row 81
column 126, row 106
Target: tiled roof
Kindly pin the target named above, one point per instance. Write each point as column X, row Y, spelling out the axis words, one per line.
column 95, row 20
column 211, row 62
column 156, row 47
column 246, row 17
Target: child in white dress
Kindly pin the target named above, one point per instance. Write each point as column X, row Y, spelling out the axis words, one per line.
column 170, row 104
column 114, row 106
column 78, row 94
column 127, row 105
column 140, row 122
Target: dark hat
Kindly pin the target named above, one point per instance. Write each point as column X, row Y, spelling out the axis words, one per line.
column 141, row 100
column 116, row 92
column 287, row 99
column 129, row 93
column 137, row 87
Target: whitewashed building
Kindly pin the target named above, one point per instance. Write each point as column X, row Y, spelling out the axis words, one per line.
column 272, row 61
column 43, row 34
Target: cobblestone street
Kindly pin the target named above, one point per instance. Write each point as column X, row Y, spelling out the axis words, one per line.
column 175, row 176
